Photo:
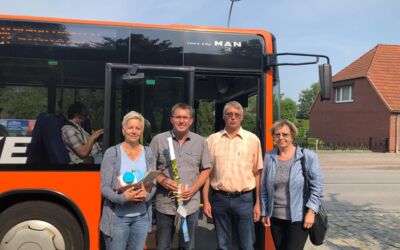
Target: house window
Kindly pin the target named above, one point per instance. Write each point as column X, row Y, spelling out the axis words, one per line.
column 344, row 94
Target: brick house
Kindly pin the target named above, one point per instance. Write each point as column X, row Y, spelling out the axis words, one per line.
column 365, row 104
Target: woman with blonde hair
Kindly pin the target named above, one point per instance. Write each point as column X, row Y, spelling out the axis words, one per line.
column 124, row 221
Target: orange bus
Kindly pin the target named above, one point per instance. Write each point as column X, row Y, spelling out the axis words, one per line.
column 46, row 64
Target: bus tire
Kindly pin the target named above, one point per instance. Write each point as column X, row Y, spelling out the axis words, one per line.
column 39, row 225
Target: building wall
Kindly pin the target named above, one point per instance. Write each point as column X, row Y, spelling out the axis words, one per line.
column 392, row 141
column 351, row 123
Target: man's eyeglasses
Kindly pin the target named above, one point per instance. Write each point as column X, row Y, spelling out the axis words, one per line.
column 233, row 115
column 284, row 135
column 178, row 118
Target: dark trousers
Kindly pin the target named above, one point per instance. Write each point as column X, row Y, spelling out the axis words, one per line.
column 166, row 230
column 288, row 235
column 233, row 214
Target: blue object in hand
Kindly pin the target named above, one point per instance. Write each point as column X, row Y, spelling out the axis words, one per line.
column 128, row 177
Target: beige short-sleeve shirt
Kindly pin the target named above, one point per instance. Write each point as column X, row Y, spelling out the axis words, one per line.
column 235, row 160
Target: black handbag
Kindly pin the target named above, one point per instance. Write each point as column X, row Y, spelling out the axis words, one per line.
column 320, row 228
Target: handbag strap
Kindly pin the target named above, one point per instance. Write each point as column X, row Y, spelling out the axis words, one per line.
column 305, row 175
column 303, row 167
column 304, row 170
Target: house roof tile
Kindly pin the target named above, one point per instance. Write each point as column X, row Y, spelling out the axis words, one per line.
column 381, row 65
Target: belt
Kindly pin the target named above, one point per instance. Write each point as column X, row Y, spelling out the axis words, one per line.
column 231, row 194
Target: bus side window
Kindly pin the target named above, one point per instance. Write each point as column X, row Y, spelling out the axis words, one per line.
column 20, row 104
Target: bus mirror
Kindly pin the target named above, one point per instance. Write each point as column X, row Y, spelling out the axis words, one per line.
column 325, row 70
column 325, row 80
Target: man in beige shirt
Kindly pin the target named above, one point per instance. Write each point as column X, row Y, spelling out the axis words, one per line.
column 237, row 159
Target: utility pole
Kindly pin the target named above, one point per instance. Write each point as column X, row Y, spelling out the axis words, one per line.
column 230, row 11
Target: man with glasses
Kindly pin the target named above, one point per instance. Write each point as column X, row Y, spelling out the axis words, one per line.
column 194, row 167
column 237, row 162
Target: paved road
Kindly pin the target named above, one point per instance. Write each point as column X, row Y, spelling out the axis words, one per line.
column 363, row 200
column 340, row 160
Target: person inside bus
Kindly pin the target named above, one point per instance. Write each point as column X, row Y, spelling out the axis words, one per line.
column 81, row 146
column 124, row 221
column 237, row 158
column 194, row 166
column 286, row 207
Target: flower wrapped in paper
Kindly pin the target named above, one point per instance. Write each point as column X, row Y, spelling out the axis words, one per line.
column 180, row 218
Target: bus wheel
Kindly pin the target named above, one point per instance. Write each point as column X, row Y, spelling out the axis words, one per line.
column 39, row 225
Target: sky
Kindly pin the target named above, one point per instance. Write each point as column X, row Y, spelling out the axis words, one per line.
column 344, row 30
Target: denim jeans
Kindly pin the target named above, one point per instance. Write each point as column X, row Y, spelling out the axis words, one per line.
column 166, row 230
column 128, row 233
column 233, row 215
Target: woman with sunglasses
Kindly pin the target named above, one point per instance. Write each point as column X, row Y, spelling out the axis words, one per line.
column 287, row 205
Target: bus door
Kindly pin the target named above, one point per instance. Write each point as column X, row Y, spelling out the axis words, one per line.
column 149, row 89
column 212, row 91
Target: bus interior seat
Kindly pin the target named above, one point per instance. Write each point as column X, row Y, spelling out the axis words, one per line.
column 46, row 145
column 3, row 131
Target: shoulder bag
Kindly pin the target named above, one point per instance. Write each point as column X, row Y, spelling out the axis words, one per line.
column 319, row 229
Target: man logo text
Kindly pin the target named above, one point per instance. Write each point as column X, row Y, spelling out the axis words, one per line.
column 228, row 44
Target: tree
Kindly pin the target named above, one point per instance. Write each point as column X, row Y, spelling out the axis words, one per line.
column 250, row 115
column 306, row 100
column 205, row 118
column 288, row 109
